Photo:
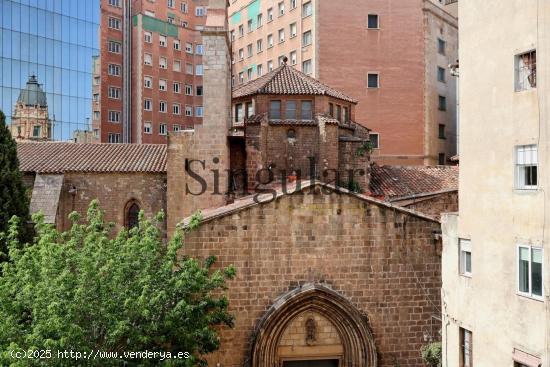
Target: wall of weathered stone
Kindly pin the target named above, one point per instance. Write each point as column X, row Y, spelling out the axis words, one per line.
column 436, row 205
column 383, row 260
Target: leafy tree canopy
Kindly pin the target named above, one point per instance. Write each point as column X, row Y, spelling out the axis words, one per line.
column 84, row 291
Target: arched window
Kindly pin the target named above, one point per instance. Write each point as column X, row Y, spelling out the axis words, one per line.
column 132, row 215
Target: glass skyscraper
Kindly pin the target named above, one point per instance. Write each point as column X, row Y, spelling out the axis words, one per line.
column 52, row 43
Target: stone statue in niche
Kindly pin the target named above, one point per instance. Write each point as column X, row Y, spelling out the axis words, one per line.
column 311, row 331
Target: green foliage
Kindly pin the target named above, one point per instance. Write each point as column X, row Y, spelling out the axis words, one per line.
column 431, row 354
column 352, row 186
column 366, row 147
column 83, row 290
column 13, row 197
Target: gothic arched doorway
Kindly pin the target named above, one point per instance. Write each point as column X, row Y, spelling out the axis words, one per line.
column 313, row 326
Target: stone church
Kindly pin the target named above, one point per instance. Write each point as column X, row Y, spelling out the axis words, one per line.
column 31, row 119
column 327, row 274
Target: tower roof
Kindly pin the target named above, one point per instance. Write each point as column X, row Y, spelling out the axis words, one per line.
column 287, row 80
column 32, row 94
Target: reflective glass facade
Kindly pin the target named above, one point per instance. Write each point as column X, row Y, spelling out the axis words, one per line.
column 55, row 40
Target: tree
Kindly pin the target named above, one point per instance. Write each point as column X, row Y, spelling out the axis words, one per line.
column 431, row 354
column 85, row 291
column 13, row 198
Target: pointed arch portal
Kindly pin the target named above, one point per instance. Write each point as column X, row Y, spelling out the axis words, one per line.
column 356, row 343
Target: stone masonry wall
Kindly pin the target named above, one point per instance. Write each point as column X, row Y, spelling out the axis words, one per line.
column 384, row 261
column 434, row 206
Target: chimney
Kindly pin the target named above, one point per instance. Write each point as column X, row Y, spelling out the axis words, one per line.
column 198, row 160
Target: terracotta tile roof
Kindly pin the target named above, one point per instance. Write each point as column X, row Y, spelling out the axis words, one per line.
column 51, row 157
column 396, row 181
column 287, row 80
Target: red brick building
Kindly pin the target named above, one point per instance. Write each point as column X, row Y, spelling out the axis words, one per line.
column 151, row 69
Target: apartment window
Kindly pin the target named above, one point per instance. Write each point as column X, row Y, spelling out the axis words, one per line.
column 176, row 128
column 290, row 110
column 176, row 45
column 163, row 64
column 331, row 109
column 269, row 15
column 373, row 21
column 162, row 106
column 526, row 71
column 147, row 128
column 441, row 46
column 189, row 48
column 374, row 139
column 241, row 77
column 249, row 109
column 465, row 257
column 441, row 131
column 270, row 65
column 147, row 82
column 147, row 105
column 171, row 3
column 281, row 60
column 275, row 110
column 114, row 3
column 241, row 54
column 189, row 69
column 200, row 11
column 527, row 167
column 177, row 65
column 96, row 115
column 176, row 87
column 184, row 8
column 238, row 112
column 114, row 116
column 199, row 49
column 114, row 69
column 249, row 25
column 114, row 23
column 441, row 77
column 293, row 30
column 306, row 38
column 259, row 20
column 162, row 129
column 232, row 36
column 293, row 4
column 199, row 90
column 95, row 97
column 114, row 138
column 241, row 31
column 97, row 80
column 345, row 116
column 198, row 69
column 338, row 113
column 269, row 40
column 162, row 85
column 176, row 108
column 199, row 111
column 441, row 159
column 162, row 40
column 281, row 35
column 260, row 70
column 249, row 50
column 114, row 47
column 147, row 59
column 114, row 92
column 307, row 9
column 148, row 37
column 293, row 58
column 259, row 45
column 249, row 74
column 442, row 103
column 530, row 271
column 373, row 80
column 466, row 359
column 188, row 90
column 281, row 8
column 306, row 67
column 188, row 111
column 306, row 110
column 184, row 24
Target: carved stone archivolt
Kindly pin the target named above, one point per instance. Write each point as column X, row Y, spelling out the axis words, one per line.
column 354, row 334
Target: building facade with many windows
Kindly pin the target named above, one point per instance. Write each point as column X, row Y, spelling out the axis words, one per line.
column 392, row 55
column 151, row 69
column 495, row 283
column 46, row 50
